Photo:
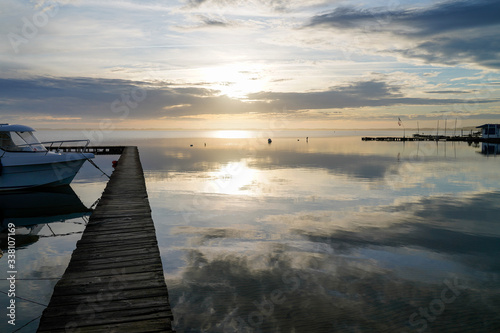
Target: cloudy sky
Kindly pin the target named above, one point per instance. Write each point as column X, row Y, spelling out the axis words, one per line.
column 249, row 63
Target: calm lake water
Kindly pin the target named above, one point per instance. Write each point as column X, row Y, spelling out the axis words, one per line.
column 329, row 234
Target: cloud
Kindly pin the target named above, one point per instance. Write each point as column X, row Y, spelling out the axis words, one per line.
column 441, row 18
column 195, row 3
column 94, row 98
column 448, row 92
column 450, row 33
column 215, row 22
column 98, row 98
column 360, row 94
column 203, row 21
column 259, row 6
column 482, row 50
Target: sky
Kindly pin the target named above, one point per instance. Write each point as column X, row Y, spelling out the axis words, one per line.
column 249, row 64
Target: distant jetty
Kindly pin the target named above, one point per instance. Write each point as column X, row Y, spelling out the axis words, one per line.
column 489, row 133
column 418, row 137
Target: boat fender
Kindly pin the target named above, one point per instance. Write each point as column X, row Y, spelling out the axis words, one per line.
column 114, row 164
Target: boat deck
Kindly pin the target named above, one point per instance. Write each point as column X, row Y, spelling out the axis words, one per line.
column 114, row 281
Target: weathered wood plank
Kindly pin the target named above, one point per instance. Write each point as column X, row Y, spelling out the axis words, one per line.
column 118, row 296
column 115, row 305
column 104, row 252
column 109, row 270
column 113, row 262
column 115, row 230
column 112, row 285
column 114, row 281
column 145, row 326
column 126, row 238
column 96, row 317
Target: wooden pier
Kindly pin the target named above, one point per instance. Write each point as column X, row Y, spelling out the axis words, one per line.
column 469, row 139
column 114, row 281
column 97, row 150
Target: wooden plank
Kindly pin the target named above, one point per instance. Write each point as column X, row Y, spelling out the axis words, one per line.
column 106, row 286
column 109, row 270
column 99, row 318
column 130, row 295
column 116, row 305
column 123, row 260
column 127, row 238
column 130, row 275
column 114, row 281
column 114, row 228
column 94, row 268
column 146, row 326
column 151, row 243
column 105, row 252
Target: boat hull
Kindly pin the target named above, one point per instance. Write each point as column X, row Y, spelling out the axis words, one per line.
column 57, row 172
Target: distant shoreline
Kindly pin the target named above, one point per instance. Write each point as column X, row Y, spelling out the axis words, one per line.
column 468, row 128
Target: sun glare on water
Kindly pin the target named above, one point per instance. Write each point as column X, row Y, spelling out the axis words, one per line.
column 234, row 178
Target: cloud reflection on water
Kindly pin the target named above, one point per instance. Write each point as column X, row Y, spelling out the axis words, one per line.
column 330, row 236
column 323, row 282
column 186, row 159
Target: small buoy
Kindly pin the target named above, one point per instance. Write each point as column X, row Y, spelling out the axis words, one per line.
column 114, row 164
column 190, row 145
column 269, row 140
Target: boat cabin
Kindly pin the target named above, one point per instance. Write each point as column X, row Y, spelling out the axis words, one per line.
column 490, row 131
column 19, row 138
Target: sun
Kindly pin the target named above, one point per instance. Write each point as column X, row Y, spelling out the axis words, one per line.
column 235, row 80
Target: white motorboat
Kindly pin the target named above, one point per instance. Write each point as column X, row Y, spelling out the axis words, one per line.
column 25, row 162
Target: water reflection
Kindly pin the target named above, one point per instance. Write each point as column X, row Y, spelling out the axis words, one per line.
column 28, row 211
column 343, row 155
column 47, row 223
column 490, row 148
column 41, row 206
column 330, row 235
column 340, row 275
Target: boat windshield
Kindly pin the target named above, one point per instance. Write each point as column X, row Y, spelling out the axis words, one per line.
column 20, row 141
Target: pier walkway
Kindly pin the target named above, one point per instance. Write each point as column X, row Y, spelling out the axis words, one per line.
column 114, row 281
column 469, row 139
column 97, row 150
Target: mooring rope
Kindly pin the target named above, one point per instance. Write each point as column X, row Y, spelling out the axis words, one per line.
column 97, row 167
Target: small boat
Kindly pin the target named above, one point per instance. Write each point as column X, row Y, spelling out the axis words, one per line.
column 25, row 162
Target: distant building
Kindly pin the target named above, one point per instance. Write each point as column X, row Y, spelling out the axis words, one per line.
column 490, row 131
